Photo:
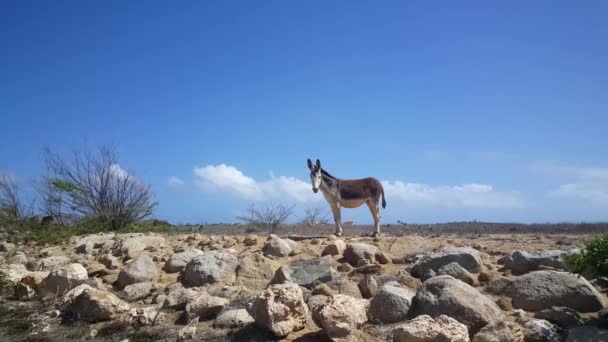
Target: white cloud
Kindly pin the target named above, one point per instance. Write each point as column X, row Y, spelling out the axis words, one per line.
column 175, row 182
column 229, row 179
column 477, row 196
column 589, row 184
column 118, row 171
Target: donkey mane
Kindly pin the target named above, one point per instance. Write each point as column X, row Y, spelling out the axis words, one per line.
column 327, row 174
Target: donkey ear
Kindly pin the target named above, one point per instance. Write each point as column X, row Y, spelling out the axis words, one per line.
column 310, row 164
column 318, row 164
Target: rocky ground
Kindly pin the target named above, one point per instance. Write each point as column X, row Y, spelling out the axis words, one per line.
column 149, row 287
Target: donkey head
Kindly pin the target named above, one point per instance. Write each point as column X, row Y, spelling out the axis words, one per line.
column 315, row 175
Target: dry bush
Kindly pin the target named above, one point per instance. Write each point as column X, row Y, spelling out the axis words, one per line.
column 315, row 215
column 10, row 203
column 11, row 199
column 93, row 186
column 269, row 217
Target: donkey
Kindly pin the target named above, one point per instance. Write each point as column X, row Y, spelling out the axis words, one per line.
column 341, row 193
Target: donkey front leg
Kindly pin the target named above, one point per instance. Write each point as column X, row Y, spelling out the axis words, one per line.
column 337, row 219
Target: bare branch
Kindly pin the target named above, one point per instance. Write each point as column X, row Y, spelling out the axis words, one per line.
column 315, row 215
column 269, row 217
column 93, row 185
column 10, row 203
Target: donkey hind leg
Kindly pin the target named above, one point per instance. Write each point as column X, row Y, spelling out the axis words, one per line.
column 337, row 219
column 373, row 208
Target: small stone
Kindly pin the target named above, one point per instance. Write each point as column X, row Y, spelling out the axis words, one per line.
column 424, row 328
column 538, row 330
column 280, row 309
column 231, row 319
column 334, row 247
column 141, row 269
column 322, row 289
column 204, row 306
column 250, row 240
column 186, row 333
column 368, row 286
column 455, row 270
column 382, row 258
column 505, row 303
column 342, row 316
column 398, row 299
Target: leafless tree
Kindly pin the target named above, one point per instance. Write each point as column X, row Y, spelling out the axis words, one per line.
column 93, row 186
column 316, row 215
column 269, row 217
column 10, row 202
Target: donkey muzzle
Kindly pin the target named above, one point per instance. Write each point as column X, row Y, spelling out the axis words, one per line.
column 315, row 190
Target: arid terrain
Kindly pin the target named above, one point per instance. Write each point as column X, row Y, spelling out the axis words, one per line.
column 436, row 282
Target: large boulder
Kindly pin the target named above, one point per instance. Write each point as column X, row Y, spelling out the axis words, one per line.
column 178, row 261
column 342, row 316
column 424, row 328
column 204, row 306
column 141, row 269
column 306, row 272
column 255, row 271
column 96, row 305
column 522, row 261
column 280, row 309
column 466, row 257
column 64, row 279
column 444, row 295
column 210, row 268
column 391, row 304
column 359, row 254
column 544, row 289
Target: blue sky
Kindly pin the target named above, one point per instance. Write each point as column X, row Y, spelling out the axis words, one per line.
column 465, row 110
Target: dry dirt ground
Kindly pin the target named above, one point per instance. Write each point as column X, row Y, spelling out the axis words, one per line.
column 18, row 324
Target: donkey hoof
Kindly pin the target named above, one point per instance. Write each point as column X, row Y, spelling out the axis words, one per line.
column 338, row 234
column 375, row 235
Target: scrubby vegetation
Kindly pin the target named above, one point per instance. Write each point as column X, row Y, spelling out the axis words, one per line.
column 87, row 193
column 592, row 261
column 267, row 218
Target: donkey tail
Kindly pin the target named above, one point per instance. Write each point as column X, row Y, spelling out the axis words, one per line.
column 383, row 200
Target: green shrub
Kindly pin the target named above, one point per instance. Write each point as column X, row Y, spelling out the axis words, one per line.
column 144, row 336
column 592, row 261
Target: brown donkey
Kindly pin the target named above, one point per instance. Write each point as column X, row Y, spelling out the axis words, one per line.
column 341, row 193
